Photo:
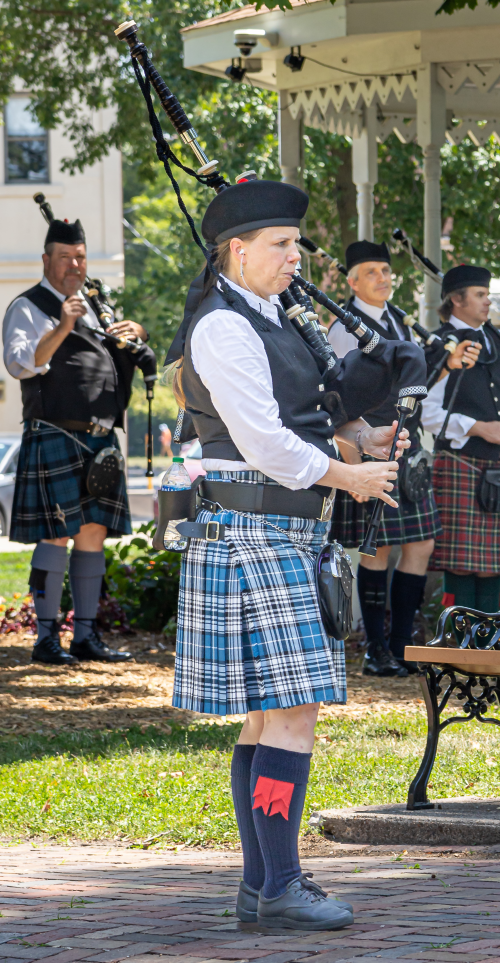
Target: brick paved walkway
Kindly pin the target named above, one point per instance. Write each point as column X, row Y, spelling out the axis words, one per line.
column 95, row 904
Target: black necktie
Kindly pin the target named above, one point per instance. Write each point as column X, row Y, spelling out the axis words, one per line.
column 391, row 334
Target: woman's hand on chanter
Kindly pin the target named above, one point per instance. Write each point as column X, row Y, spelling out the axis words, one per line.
column 377, row 441
column 372, row 480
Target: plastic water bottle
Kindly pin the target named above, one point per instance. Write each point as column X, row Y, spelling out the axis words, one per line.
column 175, row 479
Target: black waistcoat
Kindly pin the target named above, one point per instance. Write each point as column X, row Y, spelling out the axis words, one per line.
column 386, row 413
column 82, row 382
column 297, row 384
column 479, row 392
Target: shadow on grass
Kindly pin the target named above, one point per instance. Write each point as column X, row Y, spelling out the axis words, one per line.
column 97, row 744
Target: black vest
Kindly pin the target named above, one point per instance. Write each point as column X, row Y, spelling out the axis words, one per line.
column 296, row 373
column 83, row 381
column 479, row 392
column 386, row 412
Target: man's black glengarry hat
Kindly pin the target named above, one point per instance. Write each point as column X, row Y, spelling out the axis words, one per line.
column 360, row 251
column 465, row 276
column 62, row 232
column 252, row 205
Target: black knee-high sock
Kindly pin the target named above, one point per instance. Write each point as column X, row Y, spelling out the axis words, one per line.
column 279, row 784
column 253, row 864
column 372, row 591
column 459, row 589
column 487, row 593
column 48, row 566
column 407, row 592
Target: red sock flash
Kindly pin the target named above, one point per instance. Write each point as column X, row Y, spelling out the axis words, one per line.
column 273, row 796
column 448, row 599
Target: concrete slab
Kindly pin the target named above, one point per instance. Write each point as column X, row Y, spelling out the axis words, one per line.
column 465, row 821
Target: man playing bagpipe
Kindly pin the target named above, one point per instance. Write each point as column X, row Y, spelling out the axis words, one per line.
column 463, row 413
column 75, row 385
column 414, row 523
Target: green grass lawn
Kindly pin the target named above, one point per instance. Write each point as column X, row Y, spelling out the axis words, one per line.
column 14, row 573
column 106, row 785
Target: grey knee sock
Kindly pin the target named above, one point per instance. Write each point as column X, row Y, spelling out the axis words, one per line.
column 86, row 570
column 48, row 565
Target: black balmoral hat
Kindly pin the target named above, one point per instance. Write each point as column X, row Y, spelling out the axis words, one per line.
column 361, row 251
column 62, row 232
column 251, row 205
column 465, row 276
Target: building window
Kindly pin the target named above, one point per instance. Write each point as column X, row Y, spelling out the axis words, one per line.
column 26, row 144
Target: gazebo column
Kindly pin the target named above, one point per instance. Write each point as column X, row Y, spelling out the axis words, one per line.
column 290, row 142
column 431, row 132
column 365, row 173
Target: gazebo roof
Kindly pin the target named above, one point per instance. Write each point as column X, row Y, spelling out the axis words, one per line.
column 365, row 52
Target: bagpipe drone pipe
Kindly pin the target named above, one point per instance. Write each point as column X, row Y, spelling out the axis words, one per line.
column 137, row 353
column 437, row 350
column 362, row 380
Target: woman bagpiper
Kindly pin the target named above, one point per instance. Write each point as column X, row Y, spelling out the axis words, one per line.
column 250, row 638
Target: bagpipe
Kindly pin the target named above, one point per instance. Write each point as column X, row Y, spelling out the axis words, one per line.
column 385, row 358
column 97, row 293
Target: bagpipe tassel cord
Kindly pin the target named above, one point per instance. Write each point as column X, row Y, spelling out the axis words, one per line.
column 253, row 864
column 279, row 785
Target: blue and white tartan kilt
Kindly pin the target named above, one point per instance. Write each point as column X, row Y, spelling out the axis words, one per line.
column 51, row 498
column 249, row 632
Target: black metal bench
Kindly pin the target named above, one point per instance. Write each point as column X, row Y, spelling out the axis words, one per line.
column 462, row 660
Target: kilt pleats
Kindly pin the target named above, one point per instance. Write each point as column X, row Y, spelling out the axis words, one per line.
column 50, row 497
column 249, row 629
column 470, row 541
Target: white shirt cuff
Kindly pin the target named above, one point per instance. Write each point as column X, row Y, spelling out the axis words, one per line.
column 458, row 430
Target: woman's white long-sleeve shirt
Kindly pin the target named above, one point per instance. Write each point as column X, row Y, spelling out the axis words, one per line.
column 231, row 361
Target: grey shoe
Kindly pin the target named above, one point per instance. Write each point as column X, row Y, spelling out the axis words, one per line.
column 304, row 906
column 246, row 904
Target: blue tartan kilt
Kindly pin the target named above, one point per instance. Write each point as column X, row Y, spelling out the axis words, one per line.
column 51, row 498
column 249, row 632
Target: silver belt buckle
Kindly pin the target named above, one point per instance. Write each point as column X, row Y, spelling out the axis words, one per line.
column 217, row 528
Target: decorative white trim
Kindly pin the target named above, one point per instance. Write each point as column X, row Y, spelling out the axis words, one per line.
column 368, row 348
column 413, row 392
column 484, row 77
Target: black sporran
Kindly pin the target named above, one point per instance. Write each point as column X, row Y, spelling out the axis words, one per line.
column 103, row 476
column 488, row 491
column 334, row 583
column 415, row 475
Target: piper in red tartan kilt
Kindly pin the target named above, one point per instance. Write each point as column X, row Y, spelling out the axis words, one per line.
column 468, row 550
column 413, row 525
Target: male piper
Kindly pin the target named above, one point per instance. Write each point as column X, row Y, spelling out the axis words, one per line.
column 469, row 548
column 413, row 525
column 75, row 386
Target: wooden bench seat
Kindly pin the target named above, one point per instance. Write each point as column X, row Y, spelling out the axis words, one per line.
column 467, row 661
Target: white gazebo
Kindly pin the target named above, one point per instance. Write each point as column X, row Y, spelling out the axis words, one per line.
column 371, row 67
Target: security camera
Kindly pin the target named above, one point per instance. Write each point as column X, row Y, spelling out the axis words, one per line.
column 294, row 60
column 246, row 40
column 236, row 71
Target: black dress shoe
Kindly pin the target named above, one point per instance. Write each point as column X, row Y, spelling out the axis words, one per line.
column 92, row 647
column 411, row 667
column 380, row 662
column 49, row 650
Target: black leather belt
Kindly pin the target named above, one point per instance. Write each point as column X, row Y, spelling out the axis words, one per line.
column 69, row 425
column 261, row 499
